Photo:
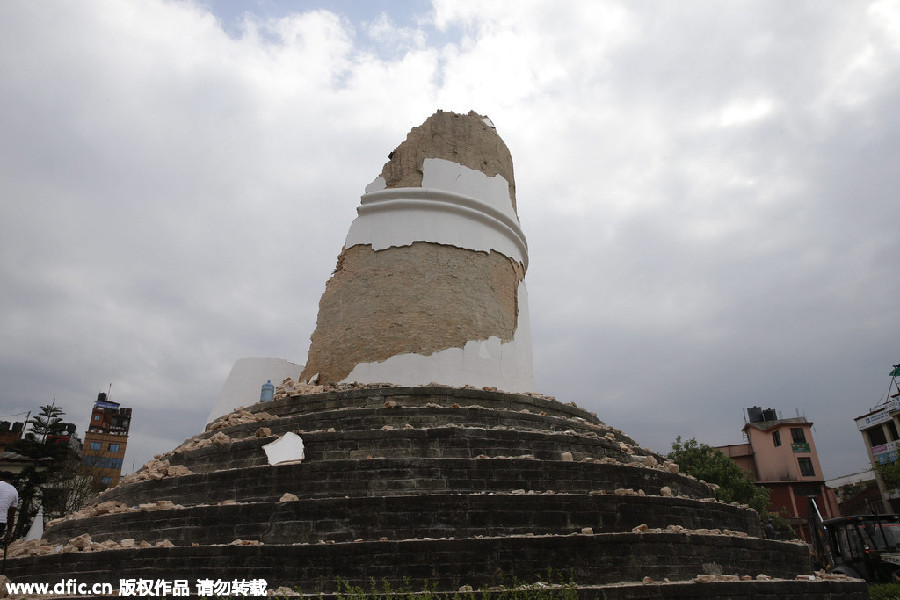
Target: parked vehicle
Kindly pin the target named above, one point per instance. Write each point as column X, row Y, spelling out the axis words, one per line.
column 862, row 546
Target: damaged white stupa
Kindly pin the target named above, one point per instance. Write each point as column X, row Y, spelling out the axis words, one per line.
column 430, row 284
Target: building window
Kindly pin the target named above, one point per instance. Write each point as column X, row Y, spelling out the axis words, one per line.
column 107, row 462
column 892, row 430
column 776, row 438
column 106, row 480
column 797, row 435
column 95, row 446
column 876, row 436
column 806, row 467
column 96, row 417
column 114, row 447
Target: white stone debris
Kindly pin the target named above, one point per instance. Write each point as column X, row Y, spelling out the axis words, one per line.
column 287, row 497
column 287, row 448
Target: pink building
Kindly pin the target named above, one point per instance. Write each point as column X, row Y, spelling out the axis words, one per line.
column 780, row 454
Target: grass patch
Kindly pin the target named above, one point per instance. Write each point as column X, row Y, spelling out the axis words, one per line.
column 884, row 591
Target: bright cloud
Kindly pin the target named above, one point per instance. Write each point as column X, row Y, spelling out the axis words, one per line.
column 707, row 195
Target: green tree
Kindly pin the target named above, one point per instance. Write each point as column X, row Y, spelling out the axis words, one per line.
column 47, row 422
column 712, row 466
column 890, row 474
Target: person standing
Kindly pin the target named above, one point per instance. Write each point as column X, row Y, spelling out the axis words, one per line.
column 9, row 501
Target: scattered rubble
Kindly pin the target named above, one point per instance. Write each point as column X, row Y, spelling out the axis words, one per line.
column 103, row 508
column 283, row 591
column 289, row 387
column 239, row 416
column 155, row 469
column 82, row 543
column 159, row 505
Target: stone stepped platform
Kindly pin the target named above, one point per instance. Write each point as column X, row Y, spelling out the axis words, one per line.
column 445, row 442
column 420, row 516
column 434, row 486
column 447, row 564
column 403, row 476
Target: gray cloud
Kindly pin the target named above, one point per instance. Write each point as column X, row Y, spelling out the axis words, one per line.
column 707, row 194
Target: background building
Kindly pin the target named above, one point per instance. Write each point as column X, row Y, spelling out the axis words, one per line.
column 879, row 429
column 66, row 438
column 106, row 440
column 10, row 433
column 780, row 454
column 858, row 494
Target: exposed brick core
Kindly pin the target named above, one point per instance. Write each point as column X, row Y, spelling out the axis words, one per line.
column 420, row 299
column 463, row 139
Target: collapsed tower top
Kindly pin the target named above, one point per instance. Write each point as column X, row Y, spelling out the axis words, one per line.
column 430, row 284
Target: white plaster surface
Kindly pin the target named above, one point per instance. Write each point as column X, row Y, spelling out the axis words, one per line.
column 377, row 185
column 36, row 531
column 286, row 448
column 456, row 206
column 480, row 363
column 245, row 381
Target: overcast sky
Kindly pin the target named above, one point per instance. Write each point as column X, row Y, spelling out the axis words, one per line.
column 709, row 192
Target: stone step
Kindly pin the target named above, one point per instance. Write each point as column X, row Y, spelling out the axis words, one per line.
column 400, row 517
column 377, row 397
column 444, row 442
column 419, row 417
column 444, row 563
column 721, row 588
column 402, row 476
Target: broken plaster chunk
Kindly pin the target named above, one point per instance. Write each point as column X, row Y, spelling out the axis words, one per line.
column 287, row 497
column 566, row 457
column 287, row 448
